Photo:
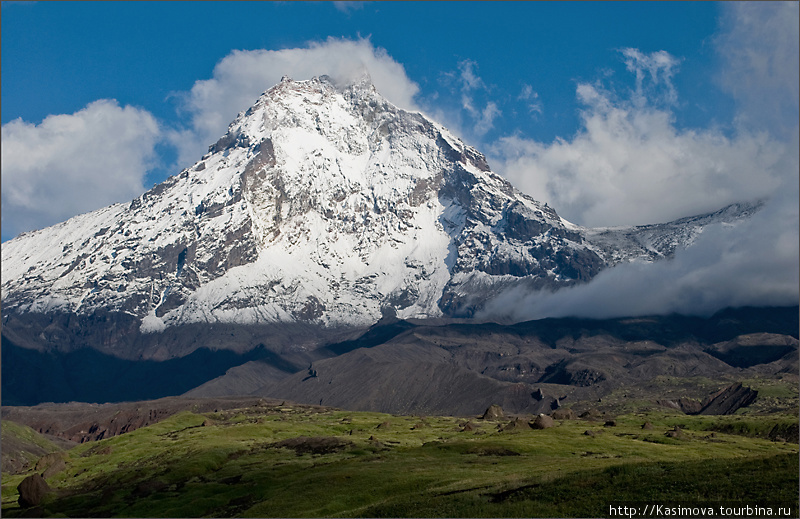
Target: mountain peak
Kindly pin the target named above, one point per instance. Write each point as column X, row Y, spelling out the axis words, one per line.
column 321, row 204
column 362, row 80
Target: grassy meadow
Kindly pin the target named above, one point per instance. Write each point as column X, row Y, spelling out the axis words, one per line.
column 305, row 461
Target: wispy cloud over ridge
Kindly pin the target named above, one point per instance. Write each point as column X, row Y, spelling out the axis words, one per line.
column 658, row 67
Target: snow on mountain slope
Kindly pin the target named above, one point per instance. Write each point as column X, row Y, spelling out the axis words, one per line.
column 322, row 204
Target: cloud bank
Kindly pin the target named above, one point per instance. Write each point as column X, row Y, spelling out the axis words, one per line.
column 629, row 164
column 759, row 46
column 74, row 163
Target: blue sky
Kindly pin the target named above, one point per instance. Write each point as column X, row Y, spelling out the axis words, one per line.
column 58, row 57
column 615, row 113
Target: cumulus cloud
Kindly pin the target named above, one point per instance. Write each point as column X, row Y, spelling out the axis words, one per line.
column 629, row 164
column 74, row 163
column 241, row 76
column 753, row 263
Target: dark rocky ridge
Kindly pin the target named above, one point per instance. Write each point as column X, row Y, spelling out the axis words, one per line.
column 530, row 367
column 410, row 366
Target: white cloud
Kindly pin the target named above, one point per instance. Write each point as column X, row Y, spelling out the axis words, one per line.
column 348, row 7
column 754, row 263
column 241, row 76
column 485, row 121
column 469, row 79
column 482, row 120
column 660, row 66
column 74, row 163
column 759, row 46
column 527, row 94
column 630, row 164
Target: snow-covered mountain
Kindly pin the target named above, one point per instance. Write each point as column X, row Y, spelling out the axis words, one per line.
column 322, row 204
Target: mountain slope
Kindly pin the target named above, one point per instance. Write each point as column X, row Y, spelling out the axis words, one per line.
column 321, row 204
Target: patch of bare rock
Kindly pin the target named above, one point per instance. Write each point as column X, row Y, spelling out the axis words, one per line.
column 564, row 414
column 725, row 401
column 32, row 490
column 493, row 412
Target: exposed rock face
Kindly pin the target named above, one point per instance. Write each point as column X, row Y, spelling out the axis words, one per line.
column 785, row 432
column 564, row 414
column 517, row 424
column 32, row 490
column 51, row 464
column 493, row 412
column 542, row 422
column 728, row 400
column 724, row 401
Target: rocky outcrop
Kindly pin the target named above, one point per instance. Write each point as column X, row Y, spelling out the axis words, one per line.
column 516, row 425
column 724, row 401
column 51, row 464
column 542, row 422
column 32, row 490
column 564, row 414
column 785, row 432
column 728, row 400
column 493, row 412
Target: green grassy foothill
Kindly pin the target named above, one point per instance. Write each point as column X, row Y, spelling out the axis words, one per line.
column 315, row 462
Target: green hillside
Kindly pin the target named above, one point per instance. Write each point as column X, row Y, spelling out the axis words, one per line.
column 305, row 461
column 22, row 446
